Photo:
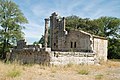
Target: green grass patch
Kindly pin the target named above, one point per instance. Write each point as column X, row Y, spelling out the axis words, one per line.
column 98, row 77
column 83, row 72
column 116, row 60
column 13, row 73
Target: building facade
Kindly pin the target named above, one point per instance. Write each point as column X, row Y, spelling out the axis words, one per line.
column 75, row 40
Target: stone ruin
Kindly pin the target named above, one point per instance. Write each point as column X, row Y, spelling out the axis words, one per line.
column 73, row 46
column 29, row 53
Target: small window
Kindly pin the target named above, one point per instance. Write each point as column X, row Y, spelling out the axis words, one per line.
column 54, row 54
column 54, row 44
column 71, row 44
column 74, row 44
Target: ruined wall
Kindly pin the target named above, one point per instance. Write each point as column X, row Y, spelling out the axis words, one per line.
column 30, row 56
column 75, row 41
column 53, row 58
column 100, row 48
column 21, row 44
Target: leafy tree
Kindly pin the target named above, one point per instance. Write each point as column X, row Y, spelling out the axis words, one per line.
column 11, row 19
column 72, row 22
column 114, row 49
column 41, row 41
column 108, row 26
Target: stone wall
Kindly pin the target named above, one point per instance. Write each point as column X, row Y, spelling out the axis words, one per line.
column 63, row 58
column 57, row 30
column 30, row 56
column 75, row 41
column 53, row 31
column 100, row 48
column 62, row 40
column 27, row 56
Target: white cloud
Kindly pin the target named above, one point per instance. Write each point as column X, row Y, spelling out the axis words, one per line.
column 64, row 8
column 39, row 10
column 33, row 30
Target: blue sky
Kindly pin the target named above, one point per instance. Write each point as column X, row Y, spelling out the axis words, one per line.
column 37, row 10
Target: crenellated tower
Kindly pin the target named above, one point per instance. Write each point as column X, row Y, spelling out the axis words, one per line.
column 57, row 31
column 54, row 31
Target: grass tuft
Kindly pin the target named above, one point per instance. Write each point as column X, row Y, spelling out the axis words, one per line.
column 69, row 65
column 83, row 72
column 53, row 71
column 13, row 73
column 98, row 77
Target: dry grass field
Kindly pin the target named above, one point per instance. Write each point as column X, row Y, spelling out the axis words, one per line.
column 105, row 71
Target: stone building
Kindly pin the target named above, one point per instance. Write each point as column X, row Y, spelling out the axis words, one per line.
column 75, row 40
column 73, row 46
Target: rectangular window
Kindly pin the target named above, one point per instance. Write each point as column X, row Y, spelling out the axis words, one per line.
column 71, row 44
column 74, row 44
column 54, row 44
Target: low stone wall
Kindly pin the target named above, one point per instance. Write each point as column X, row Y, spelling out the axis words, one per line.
column 54, row 58
column 30, row 56
column 58, row 58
